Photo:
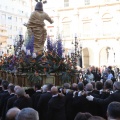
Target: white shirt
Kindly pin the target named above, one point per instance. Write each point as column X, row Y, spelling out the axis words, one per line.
column 55, row 95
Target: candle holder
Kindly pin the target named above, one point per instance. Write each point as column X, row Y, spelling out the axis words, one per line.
column 18, row 45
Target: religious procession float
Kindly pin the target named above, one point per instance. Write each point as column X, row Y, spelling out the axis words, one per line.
column 33, row 62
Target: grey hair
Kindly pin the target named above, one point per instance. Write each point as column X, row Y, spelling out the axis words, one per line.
column 12, row 113
column 27, row 114
column 89, row 87
column 44, row 88
column 20, row 92
column 66, row 85
column 117, row 85
column 16, row 87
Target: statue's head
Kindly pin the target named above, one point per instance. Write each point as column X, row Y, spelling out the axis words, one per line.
column 39, row 6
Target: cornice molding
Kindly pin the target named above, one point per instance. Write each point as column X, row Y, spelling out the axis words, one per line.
column 88, row 6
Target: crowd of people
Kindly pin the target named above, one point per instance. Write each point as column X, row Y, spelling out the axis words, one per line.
column 87, row 99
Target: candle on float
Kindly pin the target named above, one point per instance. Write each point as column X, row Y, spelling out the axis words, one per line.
column 28, row 52
column 34, row 55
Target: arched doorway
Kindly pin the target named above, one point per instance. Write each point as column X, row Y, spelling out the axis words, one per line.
column 107, row 56
column 85, row 59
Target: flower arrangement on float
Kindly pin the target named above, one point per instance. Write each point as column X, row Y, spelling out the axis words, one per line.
column 35, row 64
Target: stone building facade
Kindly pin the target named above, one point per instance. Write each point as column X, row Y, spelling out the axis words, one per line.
column 95, row 23
column 13, row 14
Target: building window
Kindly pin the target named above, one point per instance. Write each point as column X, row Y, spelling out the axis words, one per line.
column 66, row 22
column 10, row 37
column 107, row 24
column 15, row 28
column 12, row 9
column 87, row 2
column 3, row 17
column 6, row 7
column 20, row 29
column 3, row 20
column 10, row 27
column 10, row 17
column 15, row 19
column 20, row 20
column 66, row 29
column 66, row 3
column 107, row 28
column 86, row 29
column 107, row 0
column 24, row 3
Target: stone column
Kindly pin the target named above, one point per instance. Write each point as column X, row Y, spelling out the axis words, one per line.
column 96, row 57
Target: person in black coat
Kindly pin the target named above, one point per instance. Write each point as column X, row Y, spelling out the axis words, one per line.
column 23, row 101
column 82, row 104
column 30, row 91
column 42, row 106
column 56, row 106
column 3, row 95
column 11, row 92
column 11, row 100
column 68, row 100
column 112, row 97
column 35, row 95
column 1, row 90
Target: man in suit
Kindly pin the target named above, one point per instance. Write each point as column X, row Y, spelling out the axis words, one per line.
column 37, row 93
column 75, row 102
column 68, row 101
column 82, row 104
column 56, row 106
column 11, row 94
column 23, row 101
column 12, row 99
column 1, row 85
column 112, row 97
column 3, row 95
column 42, row 106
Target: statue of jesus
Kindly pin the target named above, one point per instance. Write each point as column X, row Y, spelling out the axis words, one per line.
column 36, row 26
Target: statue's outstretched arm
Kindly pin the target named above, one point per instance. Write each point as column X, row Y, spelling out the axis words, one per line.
column 48, row 18
column 25, row 24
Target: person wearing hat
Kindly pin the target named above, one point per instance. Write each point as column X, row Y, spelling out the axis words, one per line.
column 36, row 26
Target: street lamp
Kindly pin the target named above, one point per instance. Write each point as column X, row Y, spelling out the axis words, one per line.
column 80, row 55
column 77, row 54
column 18, row 45
column 15, row 45
column 9, row 47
